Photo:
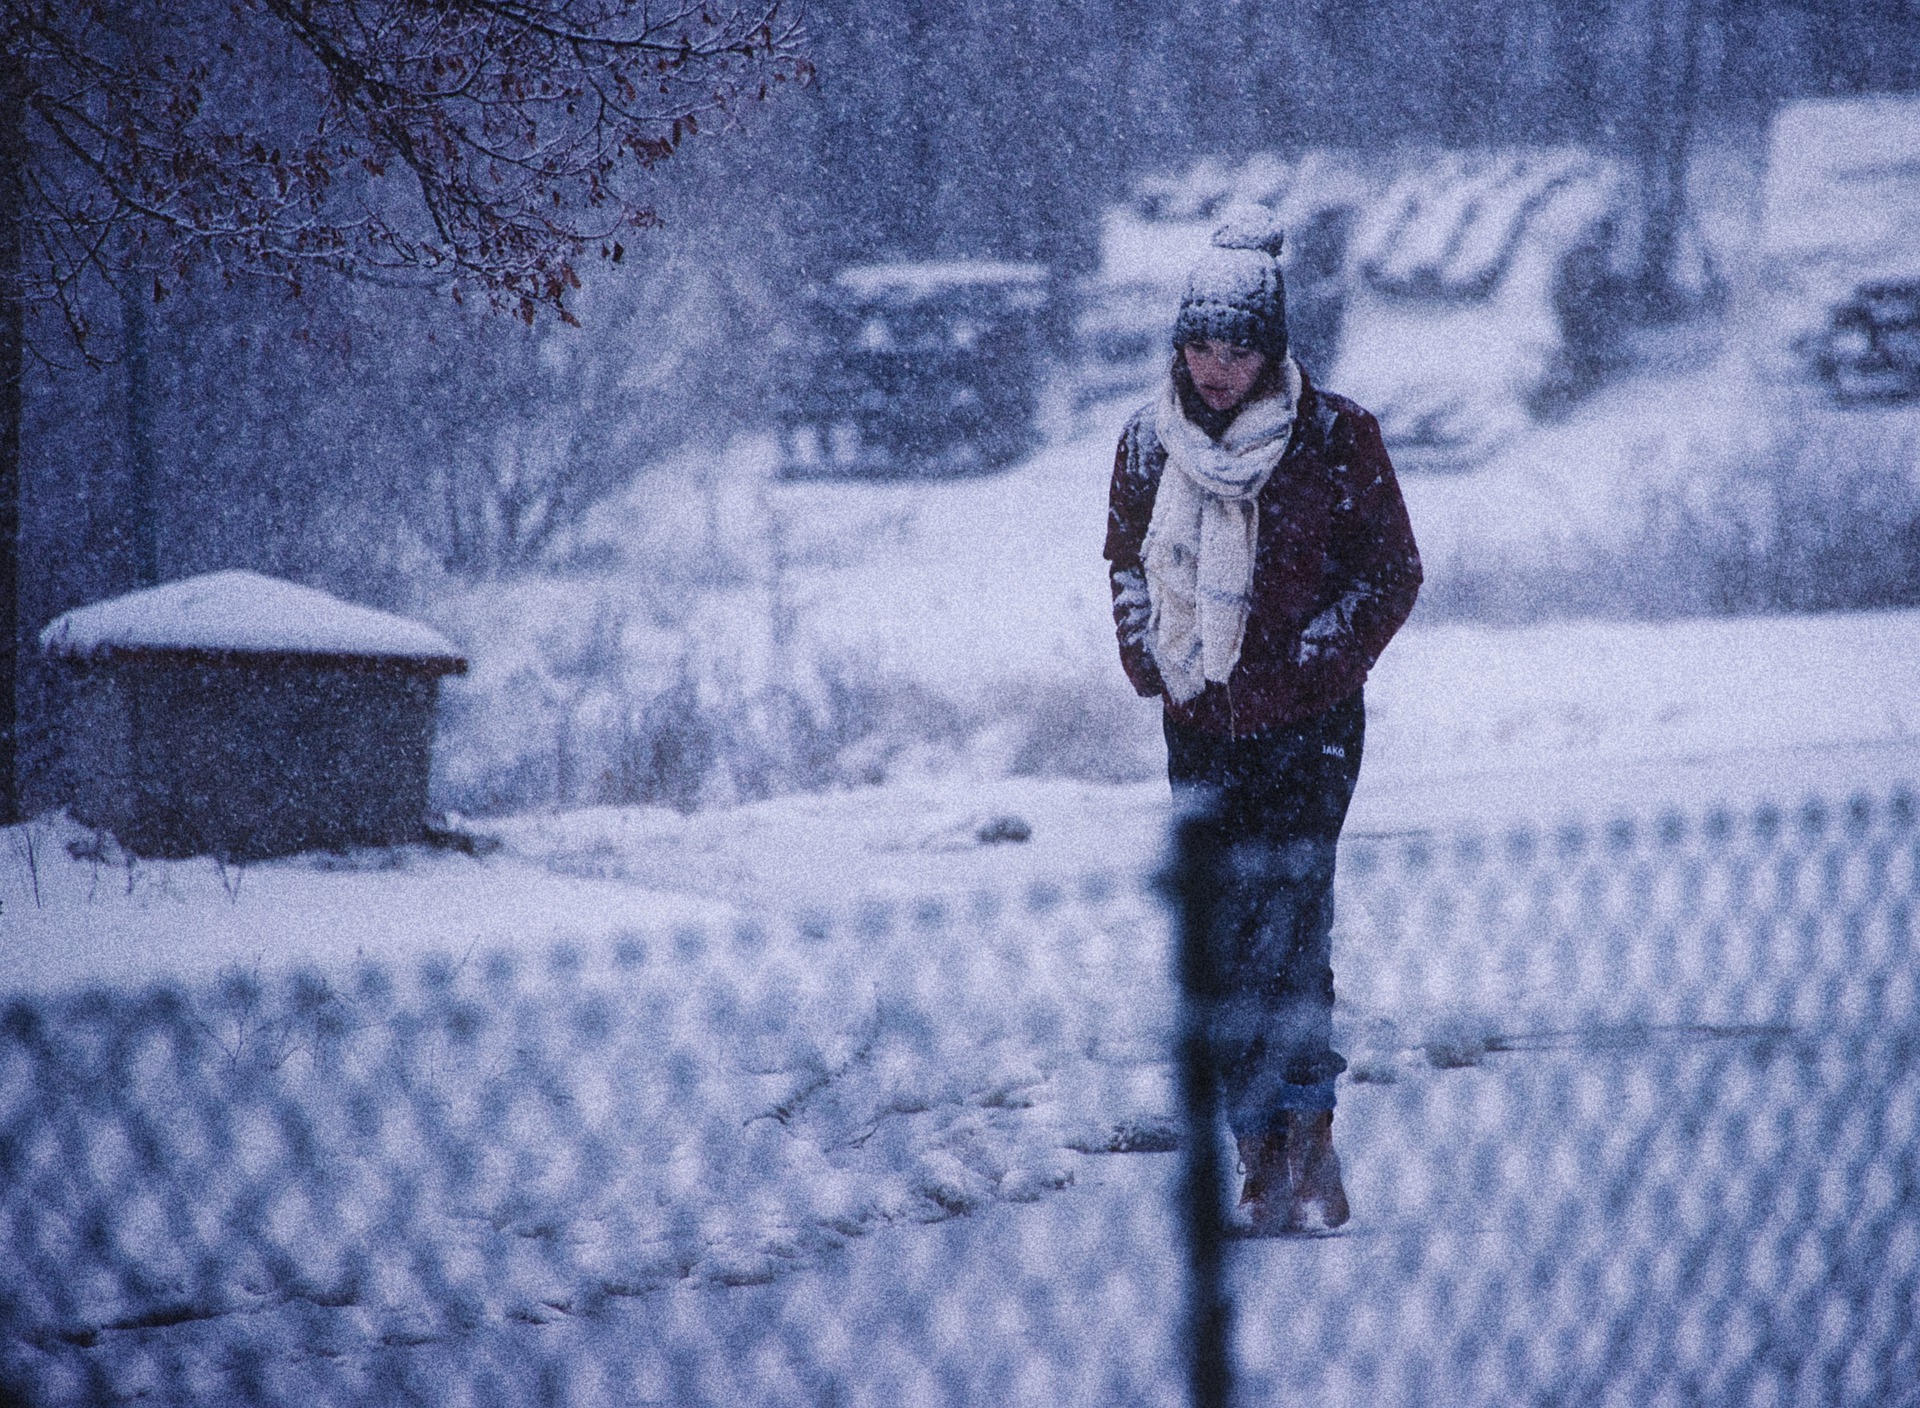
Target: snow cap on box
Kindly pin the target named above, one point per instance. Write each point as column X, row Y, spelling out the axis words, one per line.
column 1235, row 292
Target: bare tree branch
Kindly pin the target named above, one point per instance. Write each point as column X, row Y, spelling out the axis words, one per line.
column 521, row 131
column 483, row 145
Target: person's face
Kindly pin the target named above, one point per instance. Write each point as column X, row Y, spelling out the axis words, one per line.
column 1222, row 373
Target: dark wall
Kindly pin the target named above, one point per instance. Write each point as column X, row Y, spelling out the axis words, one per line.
column 243, row 761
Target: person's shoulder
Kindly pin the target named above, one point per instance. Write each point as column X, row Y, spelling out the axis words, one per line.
column 1140, row 451
column 1330, row 409
column 1344, row 427
column 1140, row 425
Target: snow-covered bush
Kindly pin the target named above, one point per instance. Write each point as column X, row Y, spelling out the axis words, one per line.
column 1827, row 519
column 1830, row 522
column 575, row 727
column 585, row 691
column 1075, row 727
column 711, row 634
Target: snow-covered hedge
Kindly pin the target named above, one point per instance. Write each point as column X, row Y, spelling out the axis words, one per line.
column 1824, row 518
column 712, row 636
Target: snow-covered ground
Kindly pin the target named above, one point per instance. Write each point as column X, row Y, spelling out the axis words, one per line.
column 1467, row 726
column 961, row 628
column 848, row 1056
column 836, row 1018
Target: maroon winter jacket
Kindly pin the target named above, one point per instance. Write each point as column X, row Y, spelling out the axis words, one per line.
column 1335, row 552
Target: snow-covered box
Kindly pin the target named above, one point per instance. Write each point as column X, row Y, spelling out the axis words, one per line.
column 242, row 716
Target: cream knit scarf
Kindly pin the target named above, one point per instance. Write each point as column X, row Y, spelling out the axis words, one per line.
column 1200, row 543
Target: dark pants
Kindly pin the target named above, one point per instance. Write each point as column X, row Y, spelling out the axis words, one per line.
column 1256, row 821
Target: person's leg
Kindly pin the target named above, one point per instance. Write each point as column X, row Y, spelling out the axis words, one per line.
column 1278, row 807
column 1318, row 1195
column 1258, row 819
column 1276, row 1014
column 1278, row 1004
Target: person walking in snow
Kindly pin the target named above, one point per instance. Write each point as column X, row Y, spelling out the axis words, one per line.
column 1261, row 559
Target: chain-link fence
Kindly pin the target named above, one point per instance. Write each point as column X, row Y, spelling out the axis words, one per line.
column 1631, row 1118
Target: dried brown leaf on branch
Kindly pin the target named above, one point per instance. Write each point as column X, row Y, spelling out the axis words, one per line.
column 477, row 144
column 471, row 145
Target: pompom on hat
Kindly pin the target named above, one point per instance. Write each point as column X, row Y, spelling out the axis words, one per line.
column 1235, row 292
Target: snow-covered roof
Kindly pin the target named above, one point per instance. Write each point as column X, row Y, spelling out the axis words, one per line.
column 1202, row 191
column 1843, row 177
column 242, row 612
column 921, row 280
column 1448, row 228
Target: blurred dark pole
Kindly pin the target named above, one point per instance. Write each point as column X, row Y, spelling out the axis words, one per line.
column 1131, row 116
column 1189, row 886
column 1673, row 67
column 1255, row 73
column 873, row 189
column 129, row 31
column 922, row 108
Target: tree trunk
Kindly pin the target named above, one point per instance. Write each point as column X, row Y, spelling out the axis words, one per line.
column 13, row 94
column 131, row 34
column 143, row 475
column 1673, row 63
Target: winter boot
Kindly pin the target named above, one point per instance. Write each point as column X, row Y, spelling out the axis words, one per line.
column 1266, row 1195
column 1318, row 1201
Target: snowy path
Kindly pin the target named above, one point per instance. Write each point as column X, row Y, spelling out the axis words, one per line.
column 1593, row 1219
column 1678, row 1216
column 1490, row 1229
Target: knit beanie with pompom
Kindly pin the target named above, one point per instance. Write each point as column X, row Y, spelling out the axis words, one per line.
column 1235, row 292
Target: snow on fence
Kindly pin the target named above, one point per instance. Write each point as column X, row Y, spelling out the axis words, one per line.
column 1631, row 1118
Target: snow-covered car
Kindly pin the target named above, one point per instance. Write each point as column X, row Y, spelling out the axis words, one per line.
column 1840, row 244
column 1452, row 293
column 919, row 369
column 1483, row 286
column 1147, row 244
column 1871, row 348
